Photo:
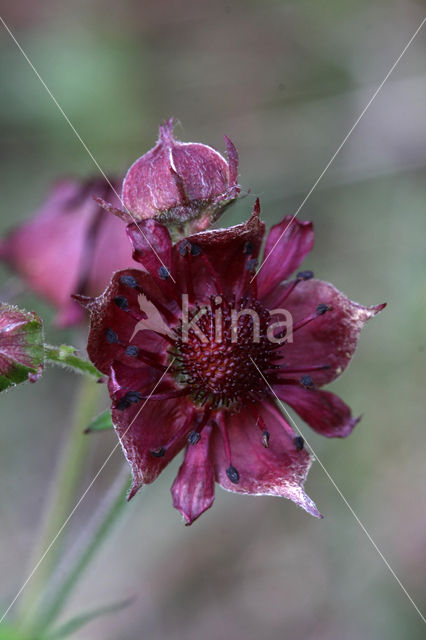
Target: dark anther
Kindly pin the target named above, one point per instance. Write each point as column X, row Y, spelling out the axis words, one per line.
column 307, row 382
column 265, row 438
column 194, row 437
column 121, row 302
column 233, row 475
column 131, row 350
column 163, row 272
column 158, row 453
column 111, row 336
column 305, row 275
column 322, row 308
column 133, row 397
column 248, row 248
column 129, row 281
column 251, row 265
column 195, row 250
column 185, row 247
column 122, row 404
column 298, row 442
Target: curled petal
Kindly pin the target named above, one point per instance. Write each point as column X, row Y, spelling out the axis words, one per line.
column 325, row 412
column 331, row 338
column 278, row 470
column 193, row 488
column 287, row 244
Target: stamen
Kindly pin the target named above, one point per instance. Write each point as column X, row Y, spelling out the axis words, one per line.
column 305, row 275
column 178, row 436
column 233, row 474
column 231, row 471
column 265, row 433
column 121, row 302
column 158, row 453
column 132, row 350
column 248, row 248
column 320, row 310
column 194, row 437
column 307, row 382
column 299, row 443
column 131, row 397
column 163, row 272
column 129, row 281
column 111, row 336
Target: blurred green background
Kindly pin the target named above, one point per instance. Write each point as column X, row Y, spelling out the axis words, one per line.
column 286, row 81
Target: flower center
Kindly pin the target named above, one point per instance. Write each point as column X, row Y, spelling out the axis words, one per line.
column 218, row 349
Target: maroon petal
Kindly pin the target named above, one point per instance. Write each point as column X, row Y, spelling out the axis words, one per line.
column 331, row 338
column 279, row 470
column 230, row 252
column 193, row 488
column 325, row 412
column 287, row 244
column 115, row 317
column 152, row 245
column 147, row 426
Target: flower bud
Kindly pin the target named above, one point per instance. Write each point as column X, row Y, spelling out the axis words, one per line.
column 183, row 184
column 70, row 245
column 21, row 346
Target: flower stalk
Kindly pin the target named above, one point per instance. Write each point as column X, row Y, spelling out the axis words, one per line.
column 62, row 497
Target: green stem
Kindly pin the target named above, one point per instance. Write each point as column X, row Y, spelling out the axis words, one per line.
column 90, row 542
column 66, row 356
column 64, row 488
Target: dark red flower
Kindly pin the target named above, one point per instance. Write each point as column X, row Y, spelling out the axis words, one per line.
column 175, row 386
column 184, row 184
column 70, row 245
column 21, row 346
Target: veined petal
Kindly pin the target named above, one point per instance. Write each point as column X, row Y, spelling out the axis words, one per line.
column 287, row 244
column 121, row 317
column 325, row 412
column 193, row 488
column 331, row 338
column 230, row 252
column 145, row 427
column 279, row 470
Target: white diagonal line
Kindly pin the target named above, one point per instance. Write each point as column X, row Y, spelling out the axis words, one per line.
column 339, row 148
column 96, row 163
column 62, row 527
column 342, row 496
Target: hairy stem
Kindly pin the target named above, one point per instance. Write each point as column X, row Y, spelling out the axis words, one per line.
column 66, row 356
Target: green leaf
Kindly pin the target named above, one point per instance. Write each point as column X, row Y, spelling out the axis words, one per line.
column 67, row 357
column 21, row 346
column 76, row 623
column 102, row 422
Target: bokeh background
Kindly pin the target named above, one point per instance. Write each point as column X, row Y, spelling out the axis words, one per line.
column 286, row 81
